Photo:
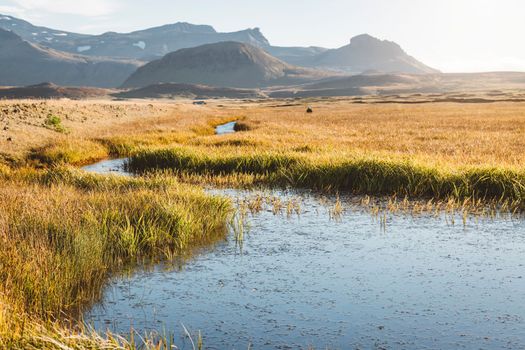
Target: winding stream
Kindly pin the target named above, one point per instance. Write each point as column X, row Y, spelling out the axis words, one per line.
column 308, row 280
column 228, row 128
column 117, row 166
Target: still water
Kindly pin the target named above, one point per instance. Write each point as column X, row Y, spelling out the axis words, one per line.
column 307, row 280
column 228, row 128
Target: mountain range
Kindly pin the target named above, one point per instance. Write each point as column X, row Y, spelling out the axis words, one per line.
column 108, row 59
column 145, row 45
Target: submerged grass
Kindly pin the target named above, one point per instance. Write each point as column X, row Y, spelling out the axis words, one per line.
column 64, row 233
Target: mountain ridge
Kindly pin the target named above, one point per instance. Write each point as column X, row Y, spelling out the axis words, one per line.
column 367, row 53
column 144, row 44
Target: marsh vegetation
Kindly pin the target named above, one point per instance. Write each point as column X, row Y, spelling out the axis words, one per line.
column 65, row 234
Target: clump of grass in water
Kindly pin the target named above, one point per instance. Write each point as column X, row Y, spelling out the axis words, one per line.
column 239, row 223
column 293, row 206
column 277, row 205
column 358, row 175
column 255, row 204
column 336, row 212
column 260, row 201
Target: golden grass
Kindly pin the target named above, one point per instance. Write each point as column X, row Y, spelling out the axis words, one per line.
column 444, row 134
column 359, row 175
column 119, row 126
column 71, row 151
column 25, row 124
column 437, row 134
column 64, row 233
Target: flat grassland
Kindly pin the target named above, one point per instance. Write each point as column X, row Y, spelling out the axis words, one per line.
column 444, row 134
column 63, row 233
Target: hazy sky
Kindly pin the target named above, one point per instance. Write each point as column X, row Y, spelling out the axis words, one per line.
column 451, row 35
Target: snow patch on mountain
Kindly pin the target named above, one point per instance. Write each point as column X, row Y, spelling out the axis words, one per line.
column 83, row 48
column 140, row 44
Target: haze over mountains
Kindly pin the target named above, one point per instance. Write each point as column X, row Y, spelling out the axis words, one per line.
column 407, row 84
column 106, row 60
column 25, row 63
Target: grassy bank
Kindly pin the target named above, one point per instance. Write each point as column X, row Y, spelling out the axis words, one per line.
column 70, row 151
column 360, row 175
column 80, row 151
column 64, row 233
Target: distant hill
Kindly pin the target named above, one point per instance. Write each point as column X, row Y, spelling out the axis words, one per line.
column 145, row 44
column 189, row 90
column 355, row 85
column 366, row 53
column 23, row 63
column 399, row 84
column 230, row 64
column 51, row 91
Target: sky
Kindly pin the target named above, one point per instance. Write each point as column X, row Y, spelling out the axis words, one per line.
column 450, row 35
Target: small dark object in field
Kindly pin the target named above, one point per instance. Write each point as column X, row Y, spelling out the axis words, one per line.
column 309, row 110
column 199, row 103
column 9, row 139
column 240, row 126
